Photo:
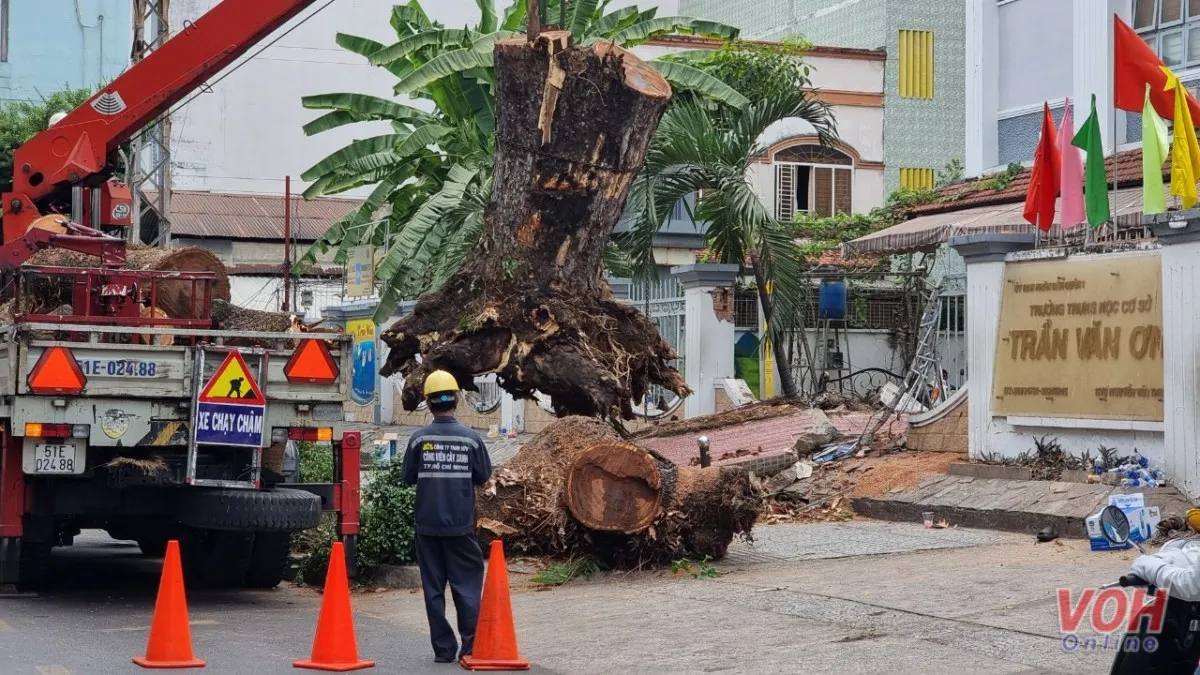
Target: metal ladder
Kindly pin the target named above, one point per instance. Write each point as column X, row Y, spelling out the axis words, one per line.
column 924, row 371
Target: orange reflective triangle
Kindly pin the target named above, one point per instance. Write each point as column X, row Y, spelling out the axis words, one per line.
column 57, row 372
column 312, row 363
column 233, row 383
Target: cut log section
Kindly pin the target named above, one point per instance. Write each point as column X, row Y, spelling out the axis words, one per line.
column 614, row 487
column 164, row 340
column 530, row 302
column 577, row 489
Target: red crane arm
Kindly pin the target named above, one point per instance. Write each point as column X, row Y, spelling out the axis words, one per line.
column 78, row 147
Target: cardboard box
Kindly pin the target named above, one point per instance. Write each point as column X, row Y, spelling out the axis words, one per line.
column 1142, row 522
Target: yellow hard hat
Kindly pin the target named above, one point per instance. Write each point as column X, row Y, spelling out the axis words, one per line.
column 1193, row 519
column 440, row 381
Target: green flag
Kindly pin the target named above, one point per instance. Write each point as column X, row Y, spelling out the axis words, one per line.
column 1154, row 153
column 1095, row 182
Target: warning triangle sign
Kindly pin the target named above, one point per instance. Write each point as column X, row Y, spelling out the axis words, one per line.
column 232, row 383
column 311, row 362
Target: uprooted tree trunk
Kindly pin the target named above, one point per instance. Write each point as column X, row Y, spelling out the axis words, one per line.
column 577, row 489
column 530, row 303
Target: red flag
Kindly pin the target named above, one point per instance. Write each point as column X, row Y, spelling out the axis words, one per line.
column 1134, row 66
column 1044, row 183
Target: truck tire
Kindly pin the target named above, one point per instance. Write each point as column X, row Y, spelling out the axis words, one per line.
column 278, row 510
column 34, row 565
column 269, row 560
column 215, row 558
column 153, row 546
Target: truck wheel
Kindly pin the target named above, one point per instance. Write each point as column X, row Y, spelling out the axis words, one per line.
column 269, row 560
column 153, row 546
column 34, row 565
column 215, row 558
column 278, row 510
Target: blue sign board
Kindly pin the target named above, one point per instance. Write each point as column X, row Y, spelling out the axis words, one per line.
column 230, row 424
column 231, row 409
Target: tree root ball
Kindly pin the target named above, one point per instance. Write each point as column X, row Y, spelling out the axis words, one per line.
column 530, row 302
column 577, row 489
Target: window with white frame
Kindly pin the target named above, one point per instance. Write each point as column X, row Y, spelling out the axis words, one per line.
column 1171, row 28
column 813, row 179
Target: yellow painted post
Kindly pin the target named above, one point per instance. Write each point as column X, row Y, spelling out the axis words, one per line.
column 768, row 370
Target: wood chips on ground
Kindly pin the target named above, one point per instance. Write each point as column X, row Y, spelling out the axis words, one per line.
column 833, row 485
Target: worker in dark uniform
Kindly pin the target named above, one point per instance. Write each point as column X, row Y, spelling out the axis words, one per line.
column 446, row 460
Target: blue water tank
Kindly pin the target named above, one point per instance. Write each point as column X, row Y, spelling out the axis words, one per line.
column 831, row 300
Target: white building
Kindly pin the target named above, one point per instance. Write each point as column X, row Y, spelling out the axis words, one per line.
column 1021, row 53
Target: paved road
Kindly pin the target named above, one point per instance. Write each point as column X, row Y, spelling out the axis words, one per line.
column 857, row 597
column 98, row 618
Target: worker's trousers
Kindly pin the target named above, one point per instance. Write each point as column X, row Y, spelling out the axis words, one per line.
column 459, row 561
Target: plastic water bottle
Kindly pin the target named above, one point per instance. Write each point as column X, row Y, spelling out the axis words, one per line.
column 1098, row 466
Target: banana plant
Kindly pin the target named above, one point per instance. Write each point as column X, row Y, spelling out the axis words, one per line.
column 432, row 173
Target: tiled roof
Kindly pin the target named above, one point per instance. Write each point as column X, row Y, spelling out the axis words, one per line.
column 929, row 230
column 237, row 216
column 978, row 192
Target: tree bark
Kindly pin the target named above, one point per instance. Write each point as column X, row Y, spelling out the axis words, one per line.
column 577, row 489
column 530, row 303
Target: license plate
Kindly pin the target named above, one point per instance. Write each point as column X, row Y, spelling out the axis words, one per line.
column 54, row 458
column 123, row 368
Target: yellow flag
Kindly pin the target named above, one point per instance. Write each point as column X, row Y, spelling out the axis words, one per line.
column 1185, row 152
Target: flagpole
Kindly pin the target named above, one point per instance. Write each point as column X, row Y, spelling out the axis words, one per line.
column 1113, row 97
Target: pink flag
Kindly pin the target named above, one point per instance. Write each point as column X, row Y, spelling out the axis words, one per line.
column 1071, row 206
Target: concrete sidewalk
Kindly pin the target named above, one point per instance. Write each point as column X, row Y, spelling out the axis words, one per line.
column 859, row 597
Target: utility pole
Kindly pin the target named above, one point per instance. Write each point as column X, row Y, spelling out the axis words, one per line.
column 287, row 243
column 148, row 171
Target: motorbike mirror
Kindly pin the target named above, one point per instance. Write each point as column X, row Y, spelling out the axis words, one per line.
column 1115, row 526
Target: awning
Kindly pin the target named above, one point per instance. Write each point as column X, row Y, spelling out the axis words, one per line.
column 925, row 233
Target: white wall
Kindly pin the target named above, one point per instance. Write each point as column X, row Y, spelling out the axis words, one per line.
column 1023, row 52
column 846, row 74
column 264, row 293
column 1008, row 436
column 1035, row 52
column 244, row 135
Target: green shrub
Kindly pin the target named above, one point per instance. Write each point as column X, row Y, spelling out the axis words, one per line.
column 313, row 546
column 316, row 462
column 387, row 529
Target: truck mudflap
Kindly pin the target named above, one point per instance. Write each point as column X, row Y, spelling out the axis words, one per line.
column 12, row 508
column 344, row 494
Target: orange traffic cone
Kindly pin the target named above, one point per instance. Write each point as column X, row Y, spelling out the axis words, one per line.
column 495, row 634
column 170, row 644
column 335, row 647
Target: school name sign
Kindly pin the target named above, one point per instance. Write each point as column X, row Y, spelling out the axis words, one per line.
column 1081, row 338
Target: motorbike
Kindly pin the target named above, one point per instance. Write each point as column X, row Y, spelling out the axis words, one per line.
column 1175, row 650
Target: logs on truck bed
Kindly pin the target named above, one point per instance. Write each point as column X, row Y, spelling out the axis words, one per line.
column 174, row 297
column 577, row 489
column 530, row 302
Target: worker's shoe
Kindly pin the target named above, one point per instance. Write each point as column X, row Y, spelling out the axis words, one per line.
column 442, row 658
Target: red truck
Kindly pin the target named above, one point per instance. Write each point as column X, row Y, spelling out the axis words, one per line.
column 137, row 425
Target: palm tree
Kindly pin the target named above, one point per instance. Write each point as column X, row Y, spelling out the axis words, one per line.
column 708, row 152
column 432, row 174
